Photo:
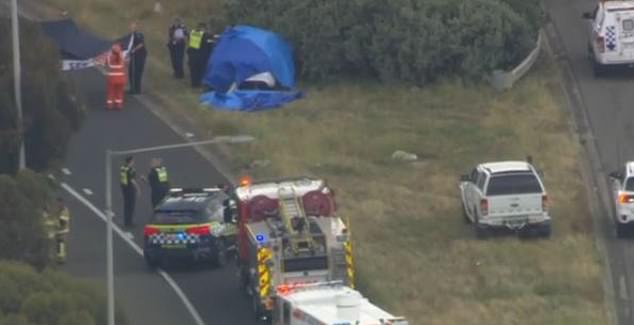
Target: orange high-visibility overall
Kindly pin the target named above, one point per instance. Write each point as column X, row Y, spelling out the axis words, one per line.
column 116, row 78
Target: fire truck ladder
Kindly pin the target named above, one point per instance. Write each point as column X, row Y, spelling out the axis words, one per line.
column 292, row 208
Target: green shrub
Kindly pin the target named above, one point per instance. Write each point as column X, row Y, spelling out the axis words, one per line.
column 22, row 236
column 50, row 115
column 48, row 298
column 407, row 40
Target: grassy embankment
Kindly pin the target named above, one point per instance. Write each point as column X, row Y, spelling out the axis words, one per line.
column 415, row 256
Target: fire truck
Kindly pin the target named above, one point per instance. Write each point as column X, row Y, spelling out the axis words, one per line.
column 328, row 303
column 288, row 233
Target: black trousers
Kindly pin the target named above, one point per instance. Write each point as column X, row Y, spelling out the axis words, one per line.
column 157, row 195
column 135, row 72
column 195, row 69
column 129, row 202
column 177, row 55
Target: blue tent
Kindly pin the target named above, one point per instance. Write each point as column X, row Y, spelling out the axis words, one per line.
column 242, row 56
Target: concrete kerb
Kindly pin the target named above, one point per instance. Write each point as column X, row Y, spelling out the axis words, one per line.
column 592, row 171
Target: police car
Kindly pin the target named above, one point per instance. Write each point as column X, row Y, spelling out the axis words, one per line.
column 190, row 223
column 611, row 34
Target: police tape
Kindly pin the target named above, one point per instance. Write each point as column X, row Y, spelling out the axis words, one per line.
column 70, row 65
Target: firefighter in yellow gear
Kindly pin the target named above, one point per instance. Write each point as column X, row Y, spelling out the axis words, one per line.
column 58, row 226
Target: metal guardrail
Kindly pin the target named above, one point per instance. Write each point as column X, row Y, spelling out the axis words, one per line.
column 501, row 80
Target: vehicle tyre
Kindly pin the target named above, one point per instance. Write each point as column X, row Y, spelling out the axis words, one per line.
column 480, row 231
column 152, row 263
column 598, row 69
column 590, row 53
column 465, row 216
column 545, row 231
column 220, row 258
column 257, row 309
column 621, row 230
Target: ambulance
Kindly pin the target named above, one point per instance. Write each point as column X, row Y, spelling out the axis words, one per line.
column 328, row 303
column 611, row 35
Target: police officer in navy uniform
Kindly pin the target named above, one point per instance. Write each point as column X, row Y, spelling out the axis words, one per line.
column 138, row 54
column 195, row 52
column 177, row 42
column 130, row 189
column 159, row 183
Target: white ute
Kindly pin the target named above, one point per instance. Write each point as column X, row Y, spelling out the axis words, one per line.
column 328, row 303
column 623, row 198
column 507, row 195
column 611, row 34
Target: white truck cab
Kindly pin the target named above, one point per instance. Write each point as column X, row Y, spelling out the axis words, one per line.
column 506, row 195
column 328, row 303
column 611, row 34
column 622, row 186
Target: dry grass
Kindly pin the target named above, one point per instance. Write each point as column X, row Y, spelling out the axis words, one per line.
column 415, row 256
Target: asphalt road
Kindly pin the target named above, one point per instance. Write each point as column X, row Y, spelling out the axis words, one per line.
column 146, row 297
column 608, row 104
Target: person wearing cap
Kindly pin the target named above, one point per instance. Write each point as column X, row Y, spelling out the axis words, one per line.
column 138, row 55
column 177, row 41
column 158, row 180
column 115, row 78
column 130, row 189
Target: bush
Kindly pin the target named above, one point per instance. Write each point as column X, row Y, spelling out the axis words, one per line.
column 50, row 115
column 408, row 40
column 22, row 235
column 48, row 298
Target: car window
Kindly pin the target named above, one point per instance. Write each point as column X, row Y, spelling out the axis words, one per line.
column 177, row 217
column 628, row 25
column 474, row 175
column 599, row 15
column 629, row 184
column 481, row 179
column 215, row 211
column 520, row 183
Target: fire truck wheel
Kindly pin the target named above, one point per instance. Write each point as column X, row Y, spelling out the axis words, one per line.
column 255, row 305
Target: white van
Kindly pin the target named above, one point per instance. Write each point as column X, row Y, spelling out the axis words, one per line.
column 611, row 34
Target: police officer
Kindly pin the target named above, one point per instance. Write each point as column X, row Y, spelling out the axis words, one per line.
column 138, row 53
column 176, row 44
column 195, row 54
column 159, row 183
column 58, row 226
column 130, row 189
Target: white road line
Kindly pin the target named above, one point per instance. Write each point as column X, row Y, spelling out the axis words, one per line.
column 190, row 307
column 51, row 176
column 66, row 171
column 87, row 191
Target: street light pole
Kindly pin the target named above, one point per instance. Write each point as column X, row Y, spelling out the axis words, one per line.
column 109, row 251
column 17, row 83
column 108, row 193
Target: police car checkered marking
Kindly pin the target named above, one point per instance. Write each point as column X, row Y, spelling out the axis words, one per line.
column 610, row 38
column 183, row 238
